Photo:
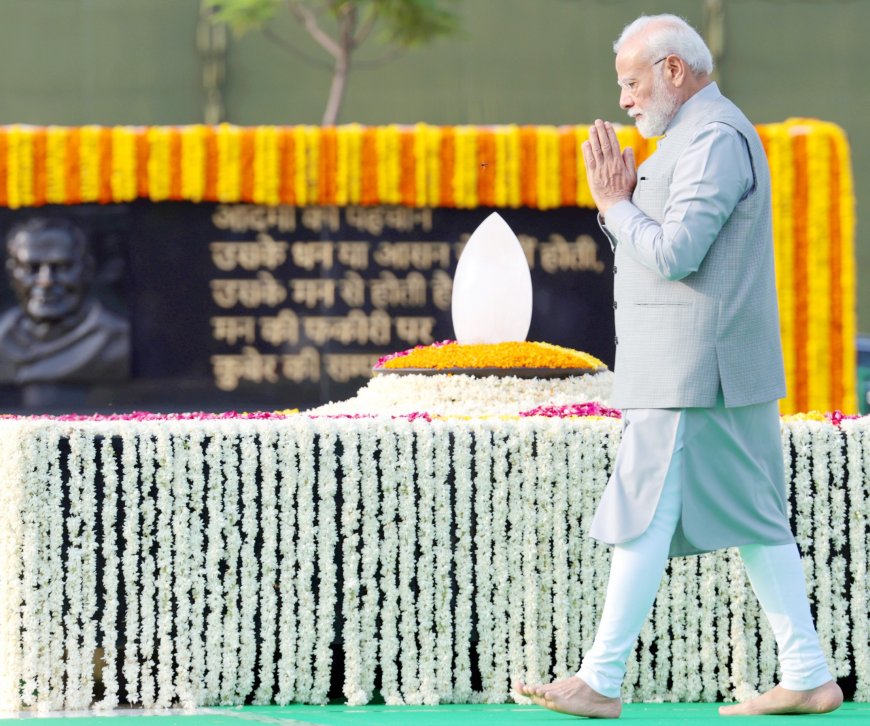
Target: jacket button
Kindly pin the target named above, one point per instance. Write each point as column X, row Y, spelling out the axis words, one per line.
column 614, row 304
column 614, row 269
column 616, row 341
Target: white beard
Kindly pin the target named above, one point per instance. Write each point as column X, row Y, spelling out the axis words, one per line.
column 660, row 111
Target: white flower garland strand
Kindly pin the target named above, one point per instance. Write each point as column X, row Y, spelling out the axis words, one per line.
column 723, row 623
column 165, row 568
column 407, row 497
column 182, row 528
column 327, row 540
column 858, row 457
column 487, row 559
column 456, row 625
column 425, row 570
column 661, row 618
column 230, row 660
column 213, row 557
column 803, row 496
column 250, row 566
column 862, row 647
column 130, row 534
column 81, row 581
column 147, row 646
column 306, row 555
column 269, row 563
column 839, row 563
column 54, row 569
column 692, row 606
column 192, row 691
column 506, row 560
column 677, row 616
column 708, row 627
column 389, row 646
column 371, row 499
column 89, row 571
column 73, row 581
column 551, row 455
column 821, row 440
column 288, row 471
column 582, row 607
column 14, row 438
column 516, row 545
column 34, row 612
column 532, row 586
column 109, row 588
column 351, row 508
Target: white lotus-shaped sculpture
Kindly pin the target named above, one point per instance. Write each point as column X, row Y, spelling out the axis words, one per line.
column 492, row 289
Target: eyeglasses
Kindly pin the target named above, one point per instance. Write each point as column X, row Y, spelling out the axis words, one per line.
column 630, row 85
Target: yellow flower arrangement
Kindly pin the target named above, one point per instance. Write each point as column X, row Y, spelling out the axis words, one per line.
column 525, row 354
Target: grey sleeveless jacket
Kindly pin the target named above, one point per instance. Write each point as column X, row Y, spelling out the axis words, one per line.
column 679, row 341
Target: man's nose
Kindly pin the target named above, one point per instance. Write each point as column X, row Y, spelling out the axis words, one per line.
column 625, row 100
column 45, row 275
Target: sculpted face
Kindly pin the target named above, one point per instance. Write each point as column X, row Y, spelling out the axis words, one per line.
column 49, row 274
column 646, row 94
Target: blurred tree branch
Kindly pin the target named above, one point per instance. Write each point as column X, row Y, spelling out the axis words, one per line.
column 340, row 27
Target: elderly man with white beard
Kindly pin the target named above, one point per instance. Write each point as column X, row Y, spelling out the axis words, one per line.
column 698, row 370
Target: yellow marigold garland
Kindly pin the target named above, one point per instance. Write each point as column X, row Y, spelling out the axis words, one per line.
column 845, row 211
column 584, row 196
column 158, row 163
column 780, row 156
column 228, row 163
column 465, row 180
column 193, row 155
column 547, row 171
column 55, row 165
column 89, row 162
column 266, row 173
column 123, row 182
column 421, row 165
column 818, row 259
column 525, row 354
column 500, row 168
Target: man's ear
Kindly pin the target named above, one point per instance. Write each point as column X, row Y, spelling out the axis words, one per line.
column 676, row 70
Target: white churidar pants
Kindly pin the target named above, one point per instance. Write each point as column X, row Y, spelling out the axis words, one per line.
column 636, row 570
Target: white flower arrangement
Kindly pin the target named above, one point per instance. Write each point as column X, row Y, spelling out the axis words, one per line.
column 441, row 394
column 223, row 540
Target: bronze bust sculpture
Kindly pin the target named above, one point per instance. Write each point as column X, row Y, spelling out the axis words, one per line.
column 59, row 333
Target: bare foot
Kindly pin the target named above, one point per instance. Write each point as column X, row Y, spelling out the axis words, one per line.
column 571, row 696
column 779, row 700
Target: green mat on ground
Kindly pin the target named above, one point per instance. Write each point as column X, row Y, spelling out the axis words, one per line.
column 648, row 714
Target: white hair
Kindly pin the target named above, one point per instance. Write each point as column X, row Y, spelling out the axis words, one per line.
column 669, row 35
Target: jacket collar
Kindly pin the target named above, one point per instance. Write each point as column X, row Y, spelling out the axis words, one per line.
column 693, row 108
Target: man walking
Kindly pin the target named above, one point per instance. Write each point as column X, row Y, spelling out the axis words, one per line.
column 698, row 370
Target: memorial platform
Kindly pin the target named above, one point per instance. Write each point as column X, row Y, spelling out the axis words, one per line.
column 221, row 560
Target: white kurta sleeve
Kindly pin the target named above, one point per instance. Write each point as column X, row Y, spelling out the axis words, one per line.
column 713, row 174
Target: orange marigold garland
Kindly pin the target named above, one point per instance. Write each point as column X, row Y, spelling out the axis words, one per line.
column 40, row 142
column 568, row 178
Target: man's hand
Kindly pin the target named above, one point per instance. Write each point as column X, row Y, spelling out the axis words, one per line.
column 612, row 175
